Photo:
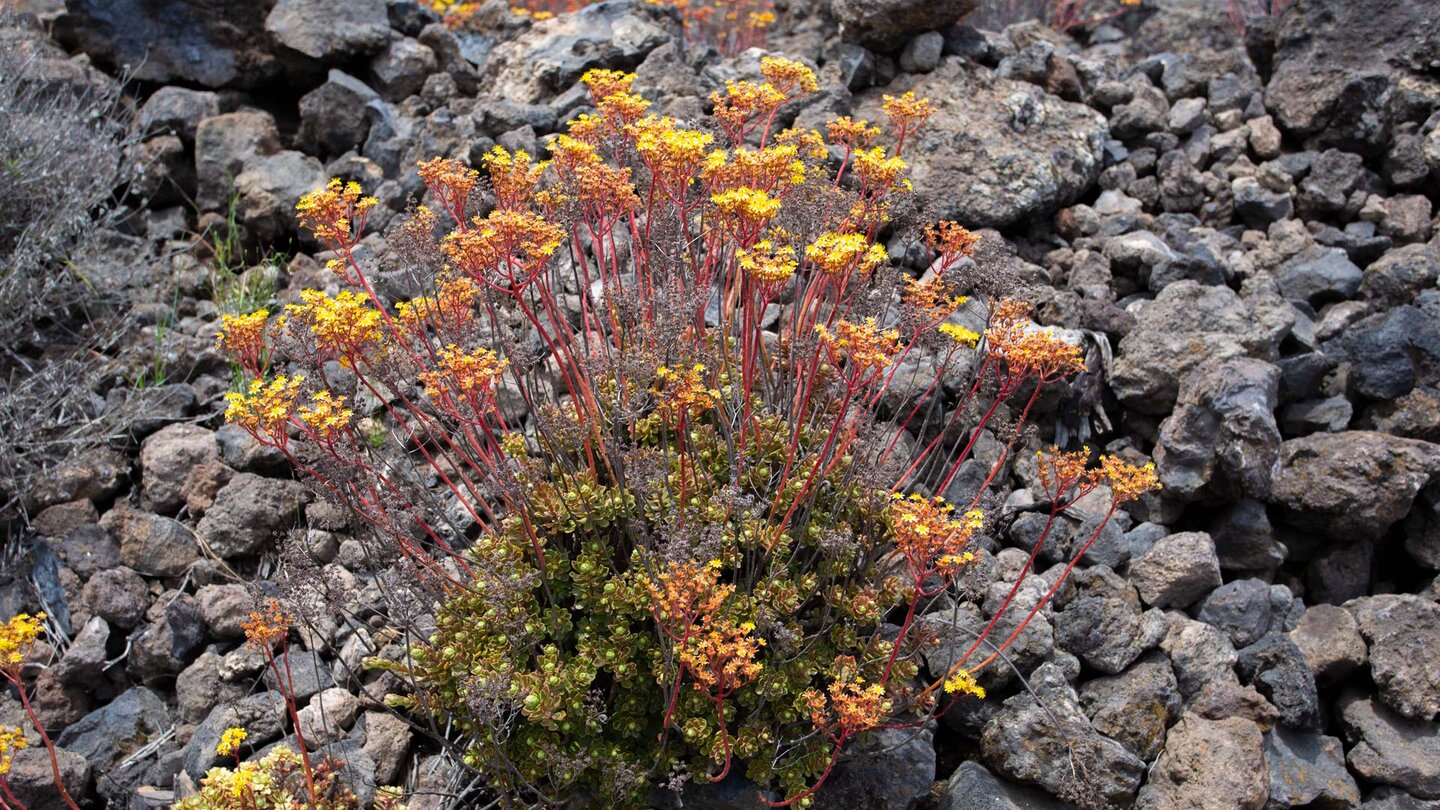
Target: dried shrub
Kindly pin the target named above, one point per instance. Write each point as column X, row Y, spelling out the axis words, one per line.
column 666, row 424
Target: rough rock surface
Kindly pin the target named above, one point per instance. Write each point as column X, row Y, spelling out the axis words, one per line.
column 1351, row 485
column 885, row 25
column 1403, row 633
column 996, row 151
column 1209, row 764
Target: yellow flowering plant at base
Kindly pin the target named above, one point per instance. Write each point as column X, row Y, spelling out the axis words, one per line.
column 665, row 527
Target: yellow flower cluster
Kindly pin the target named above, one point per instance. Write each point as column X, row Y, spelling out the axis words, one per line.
column 774, row 168
column 877, row 168
column 242, row 335
column 672, row 154
column 766, row 263
column 230, row 741
column 933, row 297
column 464, row 374
column 587, row 178
column 12, row 741
column 867, row 346
column 908, row 111
column 959, row 334
column 788, row 75
column 603, row 83
column 684, row 593
column 345, row 324
column 964, row 683
column 509, row 239
column 326, row 415
column 1127, row 480
column 1059, row 470
column 513, row 177
column 747, row 205
column 330, row 214
column 17, row 636
column 259, row 785
column 266, row 408
column 841, row 253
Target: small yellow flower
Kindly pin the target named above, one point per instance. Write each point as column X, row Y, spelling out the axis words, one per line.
column 746, row 204
column 230, row 741
column 12, row 740
column 962, row 682
column 17, row 636
column 959, row 334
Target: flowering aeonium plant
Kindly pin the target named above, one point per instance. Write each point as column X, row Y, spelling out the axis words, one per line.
column 649, row 459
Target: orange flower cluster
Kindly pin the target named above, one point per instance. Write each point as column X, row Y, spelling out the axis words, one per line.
column 865, row 344
column 683, row 393
column 1127, row 480
column 589, row 180
column 452, row 306
column 721, row 657
column 1027, row 349
column 466, row 374
column 672, row 154
column 336, row 213
column 267, row 626
column 684, row 593
column 513, row 177
column 244, row 337
column 450, row 181
column 850, row 133
column 950, row 239
column 773, row 169
column 852, row 707
column 503, row 242
column 933, row 297
column 788, row 75
column 907, row 112
column 928, row 537
column 878, row 169
column 1061, row 471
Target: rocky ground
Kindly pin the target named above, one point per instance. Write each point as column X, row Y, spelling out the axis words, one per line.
column 1245, row 231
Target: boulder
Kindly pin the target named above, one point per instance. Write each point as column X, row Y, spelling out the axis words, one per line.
column 1135, row 707
column 1307, row 770
column 1351, row 485
column 1389, row 749
column 248, row 512
column 1177, row 571
column 1403, row 632
column 1206, row 764
column 885, row 25
column 1222, row 439
column 997, row 151
column 974, row 787
column 330, row 31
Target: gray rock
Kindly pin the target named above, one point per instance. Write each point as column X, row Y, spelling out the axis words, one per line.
column 1389, row 798
column 1201, row 654
column 335, row 117
column 119, row 596
column 1330, row 415
column 1333, row 178
column 308, row 673
column 1218, row 700
column 1034, row 739
column 32, row 779
column 1389, row 749
column 882, row 769
column 1185, row 325
column 1023, row 154
column 1265, row 138
column 85, row 655
column 1404, row 217
column 1177, row 571
column 973, row 787
column 1337, row 65
column 1258, row 206
column 262, row 717
column 328, row 717
column 1319, row 276
column 1208, row 764
column 955, row 632
column 1307, row 770
column 1401, row 274
column 1135, row 707
column 1240, row 608
column 178, row 110
column 1351, row 485
column 166, row 458
column 922, row 54
column 225, row 607
column 357, row 769
column 1244, row 538
column 330, row 31
column 387, row 741
column 248, row 511
column 1392, row 352
column 400, row 70
column 1186, row 115
column 161, row 649
column 552, row 55
column 1276, row 668
column 94, row 475
column 109, row 734
column 1147, row 112
column 198, row 689
column 213, row 43
column 885, row 25
column 1330, row 640
column 1222, row 439
column 269, row 188
column 223, row 145
column 1102, row 624
column 88, row 549
column 1403, row 632
column 151, row 544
